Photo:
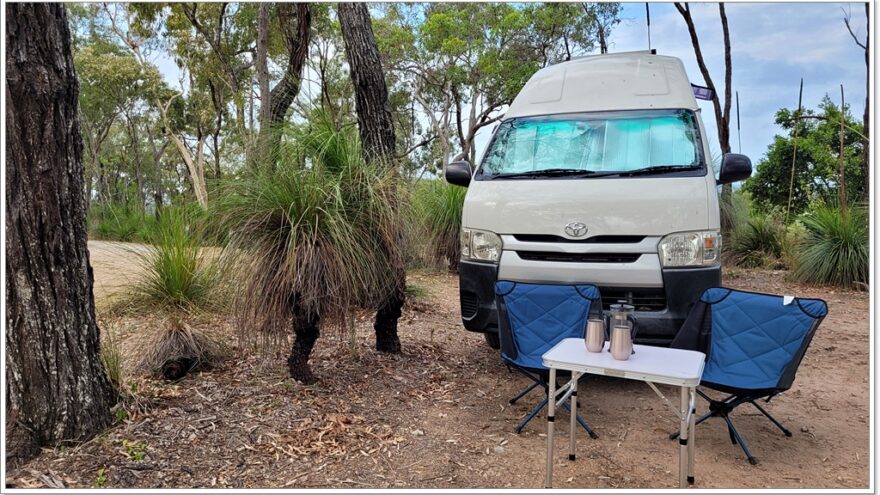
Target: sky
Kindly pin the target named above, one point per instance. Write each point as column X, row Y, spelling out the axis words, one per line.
column 772, row 47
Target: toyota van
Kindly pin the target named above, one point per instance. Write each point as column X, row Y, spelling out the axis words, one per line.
column 600, row 173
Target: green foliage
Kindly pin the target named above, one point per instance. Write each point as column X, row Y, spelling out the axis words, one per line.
column 757, row 242
column 111, row 357
column 177, row 274
column 835, row 249
column 312, row 229
column 817, row 166
column 124, row 223
column 101, row 480
column 437, row 207
column 135, row 451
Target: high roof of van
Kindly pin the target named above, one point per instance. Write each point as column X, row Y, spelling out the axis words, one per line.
column 616, row 81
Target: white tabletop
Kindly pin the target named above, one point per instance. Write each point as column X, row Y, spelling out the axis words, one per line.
column 650, row 364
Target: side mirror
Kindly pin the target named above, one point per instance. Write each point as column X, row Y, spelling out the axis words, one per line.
column 459, row 173
column 734, row 168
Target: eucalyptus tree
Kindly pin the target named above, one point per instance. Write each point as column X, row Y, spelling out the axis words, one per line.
column 56, row 385
column 112, row 85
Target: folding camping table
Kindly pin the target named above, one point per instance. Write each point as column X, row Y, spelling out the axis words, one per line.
column 649, row 364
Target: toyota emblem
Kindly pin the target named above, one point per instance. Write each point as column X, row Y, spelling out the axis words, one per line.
column 576, row 229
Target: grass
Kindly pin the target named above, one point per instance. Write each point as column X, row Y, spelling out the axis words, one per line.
column 309, row 234
column 177, row 349
column 111, row 357
column 123, row 223
column 437, row 208
column 757, row 243
column 176, row 273
column 835, row 249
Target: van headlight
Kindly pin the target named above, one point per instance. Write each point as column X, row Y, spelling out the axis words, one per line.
column 690, row 249
column 480, row 245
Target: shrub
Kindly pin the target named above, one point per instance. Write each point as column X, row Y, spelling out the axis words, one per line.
column 176, row 274
column 124, row 223
column 757, row 242
column 835, row 249
column 437, row 208
column 309, row 233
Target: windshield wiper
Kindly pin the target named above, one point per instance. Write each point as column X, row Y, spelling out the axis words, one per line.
column 550, row 172
column 659, row 169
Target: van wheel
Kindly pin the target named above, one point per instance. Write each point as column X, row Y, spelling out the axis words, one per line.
column 493, row 340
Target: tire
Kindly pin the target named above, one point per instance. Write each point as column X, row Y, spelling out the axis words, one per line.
column 493, row 340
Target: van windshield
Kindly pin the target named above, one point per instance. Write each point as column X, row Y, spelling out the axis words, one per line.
column 594, row 145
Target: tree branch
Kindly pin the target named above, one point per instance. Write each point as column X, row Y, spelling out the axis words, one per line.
column 846, row 19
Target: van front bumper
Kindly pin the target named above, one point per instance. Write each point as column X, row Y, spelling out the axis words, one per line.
column 681, row 288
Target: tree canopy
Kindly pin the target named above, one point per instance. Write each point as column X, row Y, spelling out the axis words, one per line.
column 816, row 169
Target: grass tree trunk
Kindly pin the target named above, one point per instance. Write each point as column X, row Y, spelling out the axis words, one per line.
column 376, row 129
column 57, row 388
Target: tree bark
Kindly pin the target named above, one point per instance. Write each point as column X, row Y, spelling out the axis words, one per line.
column 376, row 129
column 262, row 64
column 371, row 94
column 57, row 387
column 296, row 24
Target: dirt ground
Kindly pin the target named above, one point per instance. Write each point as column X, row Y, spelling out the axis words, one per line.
column 437, row 415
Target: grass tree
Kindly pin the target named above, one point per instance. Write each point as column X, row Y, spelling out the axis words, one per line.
column 376, row 129
column 310, row 239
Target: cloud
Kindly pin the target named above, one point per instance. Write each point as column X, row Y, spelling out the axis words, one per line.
column 772, row 47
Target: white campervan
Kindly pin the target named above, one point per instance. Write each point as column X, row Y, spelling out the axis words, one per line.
column 599, row 173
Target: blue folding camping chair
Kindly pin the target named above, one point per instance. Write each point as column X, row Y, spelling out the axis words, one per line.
column 754, row 344
column 532, row 319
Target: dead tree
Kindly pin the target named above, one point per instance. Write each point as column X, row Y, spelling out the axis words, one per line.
column 56, row 385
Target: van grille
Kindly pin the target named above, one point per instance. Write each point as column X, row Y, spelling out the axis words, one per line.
column 578, row 257
column 598, row 239
column 469, row 304
column 643, row 299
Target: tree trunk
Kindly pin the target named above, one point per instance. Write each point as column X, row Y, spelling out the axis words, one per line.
column 603, row 45
column 262, row 64
column 296, row 24
column 57, row 387
column 371, row 94
column 376, row 129
column 722, row 116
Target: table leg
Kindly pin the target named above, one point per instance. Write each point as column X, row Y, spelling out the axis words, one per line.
column 692, row 392
column 683, row 438
column 572, row 428
column 551, row 409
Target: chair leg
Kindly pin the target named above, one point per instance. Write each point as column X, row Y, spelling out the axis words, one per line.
column 735, row 435
column 531, row 416
column 583, row 423
column 524, row 392
column 772, row 419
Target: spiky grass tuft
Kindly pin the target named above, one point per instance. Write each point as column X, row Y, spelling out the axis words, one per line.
column 308, row 234
column 437, row 207
column 835, row 249
column 177, row 273
column 757, row 243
